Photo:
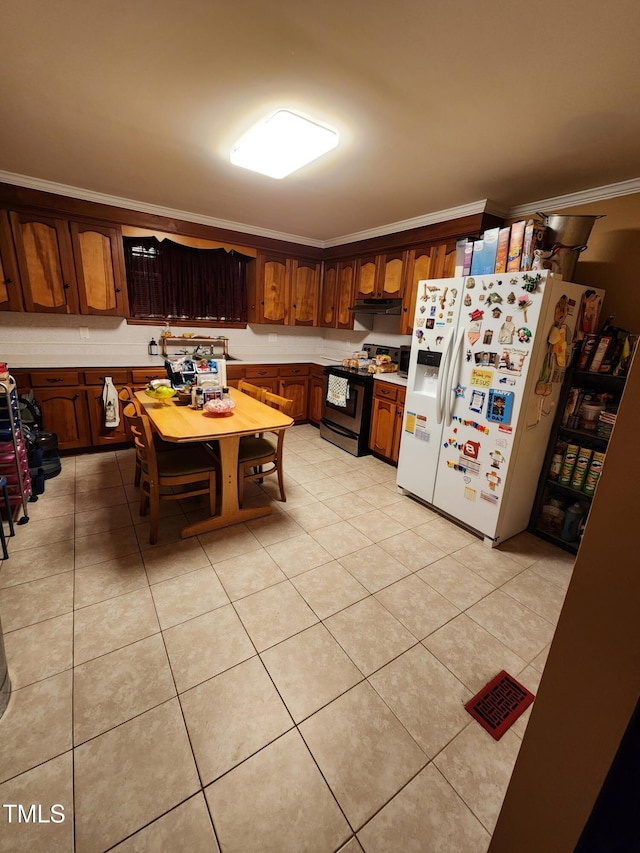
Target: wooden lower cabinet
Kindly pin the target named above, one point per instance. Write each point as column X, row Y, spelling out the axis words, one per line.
column 316, row 394
column 101, row 435
column 386, row 420
column 264, row 376
column 293, row 383
column 71, row 399
column 65, row 412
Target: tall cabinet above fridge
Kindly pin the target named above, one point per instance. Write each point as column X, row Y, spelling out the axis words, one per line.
column 488, row 357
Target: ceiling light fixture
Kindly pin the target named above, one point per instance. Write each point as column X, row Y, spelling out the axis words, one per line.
column 282, row 144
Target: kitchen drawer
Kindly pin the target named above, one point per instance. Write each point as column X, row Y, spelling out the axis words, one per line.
column 386, row 391
column 294, row 370
column 261, row 371
column 55, row 378
column 22, row 379
column 96, row 377
column 143, row 375
column 234, row 372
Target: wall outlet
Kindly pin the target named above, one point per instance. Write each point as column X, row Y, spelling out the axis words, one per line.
column 273, row 338
column 84, row 333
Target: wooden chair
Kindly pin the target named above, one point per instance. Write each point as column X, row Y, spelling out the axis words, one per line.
column 188, row 465
column 256, row 451
column 252, row 390
column 127, row 395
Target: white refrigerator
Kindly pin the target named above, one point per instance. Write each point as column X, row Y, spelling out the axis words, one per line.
column 488, row 358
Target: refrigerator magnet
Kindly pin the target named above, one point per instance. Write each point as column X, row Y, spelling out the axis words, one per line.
column 524, row 335
column 473, row 335
column 531, row 282
column 496, row 313
column 471, row 283
column 459, row 390
column 467, row 300
column 493, row 480
column 471, row 449
column 500, row 406
column 496, row 459
column 477, row 401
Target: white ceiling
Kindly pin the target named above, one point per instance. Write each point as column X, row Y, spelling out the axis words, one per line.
column 438, row 104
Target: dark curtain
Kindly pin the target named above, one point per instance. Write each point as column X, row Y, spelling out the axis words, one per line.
column 167, row 279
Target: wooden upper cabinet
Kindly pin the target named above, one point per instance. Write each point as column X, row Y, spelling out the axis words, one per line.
column 393, row 273
column 273, row 289
column 424, row 262
column 337, row 294
column 305, row 293
column 381, row 276
column 10, row 291
column 346, row 283
column 286, row 291
column 69, row 267
column 329, row 296
column 419, row 266
column 99, row 263
column 367, row 277
column 45, row 260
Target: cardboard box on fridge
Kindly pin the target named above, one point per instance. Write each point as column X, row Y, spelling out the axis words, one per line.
column 503, row 249
column 515, row 246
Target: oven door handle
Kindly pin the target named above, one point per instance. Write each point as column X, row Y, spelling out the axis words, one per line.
column 339, row 430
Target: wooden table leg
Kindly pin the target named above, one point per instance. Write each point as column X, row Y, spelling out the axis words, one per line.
column 230, row 510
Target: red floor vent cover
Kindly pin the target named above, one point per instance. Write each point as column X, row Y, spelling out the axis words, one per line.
column 499, row 704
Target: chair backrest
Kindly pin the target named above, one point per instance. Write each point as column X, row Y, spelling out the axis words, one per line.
column 127, row 395
column 139, row 427
column 252, row 390
column 283, row 404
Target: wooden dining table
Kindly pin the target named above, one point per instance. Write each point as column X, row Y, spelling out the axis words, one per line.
column 183, row 424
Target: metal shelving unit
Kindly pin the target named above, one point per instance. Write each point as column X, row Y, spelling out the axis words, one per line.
column 547, row 486
column 14, row 464
column 219, row 347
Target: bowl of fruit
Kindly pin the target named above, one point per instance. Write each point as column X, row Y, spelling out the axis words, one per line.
column 160, row 392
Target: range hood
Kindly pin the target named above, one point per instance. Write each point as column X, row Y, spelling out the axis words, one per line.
column 376, row 306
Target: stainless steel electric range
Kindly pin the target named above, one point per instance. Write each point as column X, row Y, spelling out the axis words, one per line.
column 346, row 417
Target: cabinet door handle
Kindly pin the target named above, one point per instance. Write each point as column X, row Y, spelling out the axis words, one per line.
column 66, row 286
column 8, row 281
column 57, row 379
column 76, row 396
column 118, row 290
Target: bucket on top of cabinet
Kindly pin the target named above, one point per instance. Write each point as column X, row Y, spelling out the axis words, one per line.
column 565, row 238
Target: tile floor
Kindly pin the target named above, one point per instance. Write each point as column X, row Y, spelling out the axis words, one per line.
column 293, row 684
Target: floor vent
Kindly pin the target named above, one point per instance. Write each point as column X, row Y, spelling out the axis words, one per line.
column 499, row 704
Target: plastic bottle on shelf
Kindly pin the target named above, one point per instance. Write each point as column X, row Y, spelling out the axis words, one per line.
column 571, row 526
column 556, row 461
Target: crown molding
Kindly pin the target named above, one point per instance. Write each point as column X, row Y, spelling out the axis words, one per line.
column 407, row 224
column 153, row 209
column 574, row 199
column 482, row 206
